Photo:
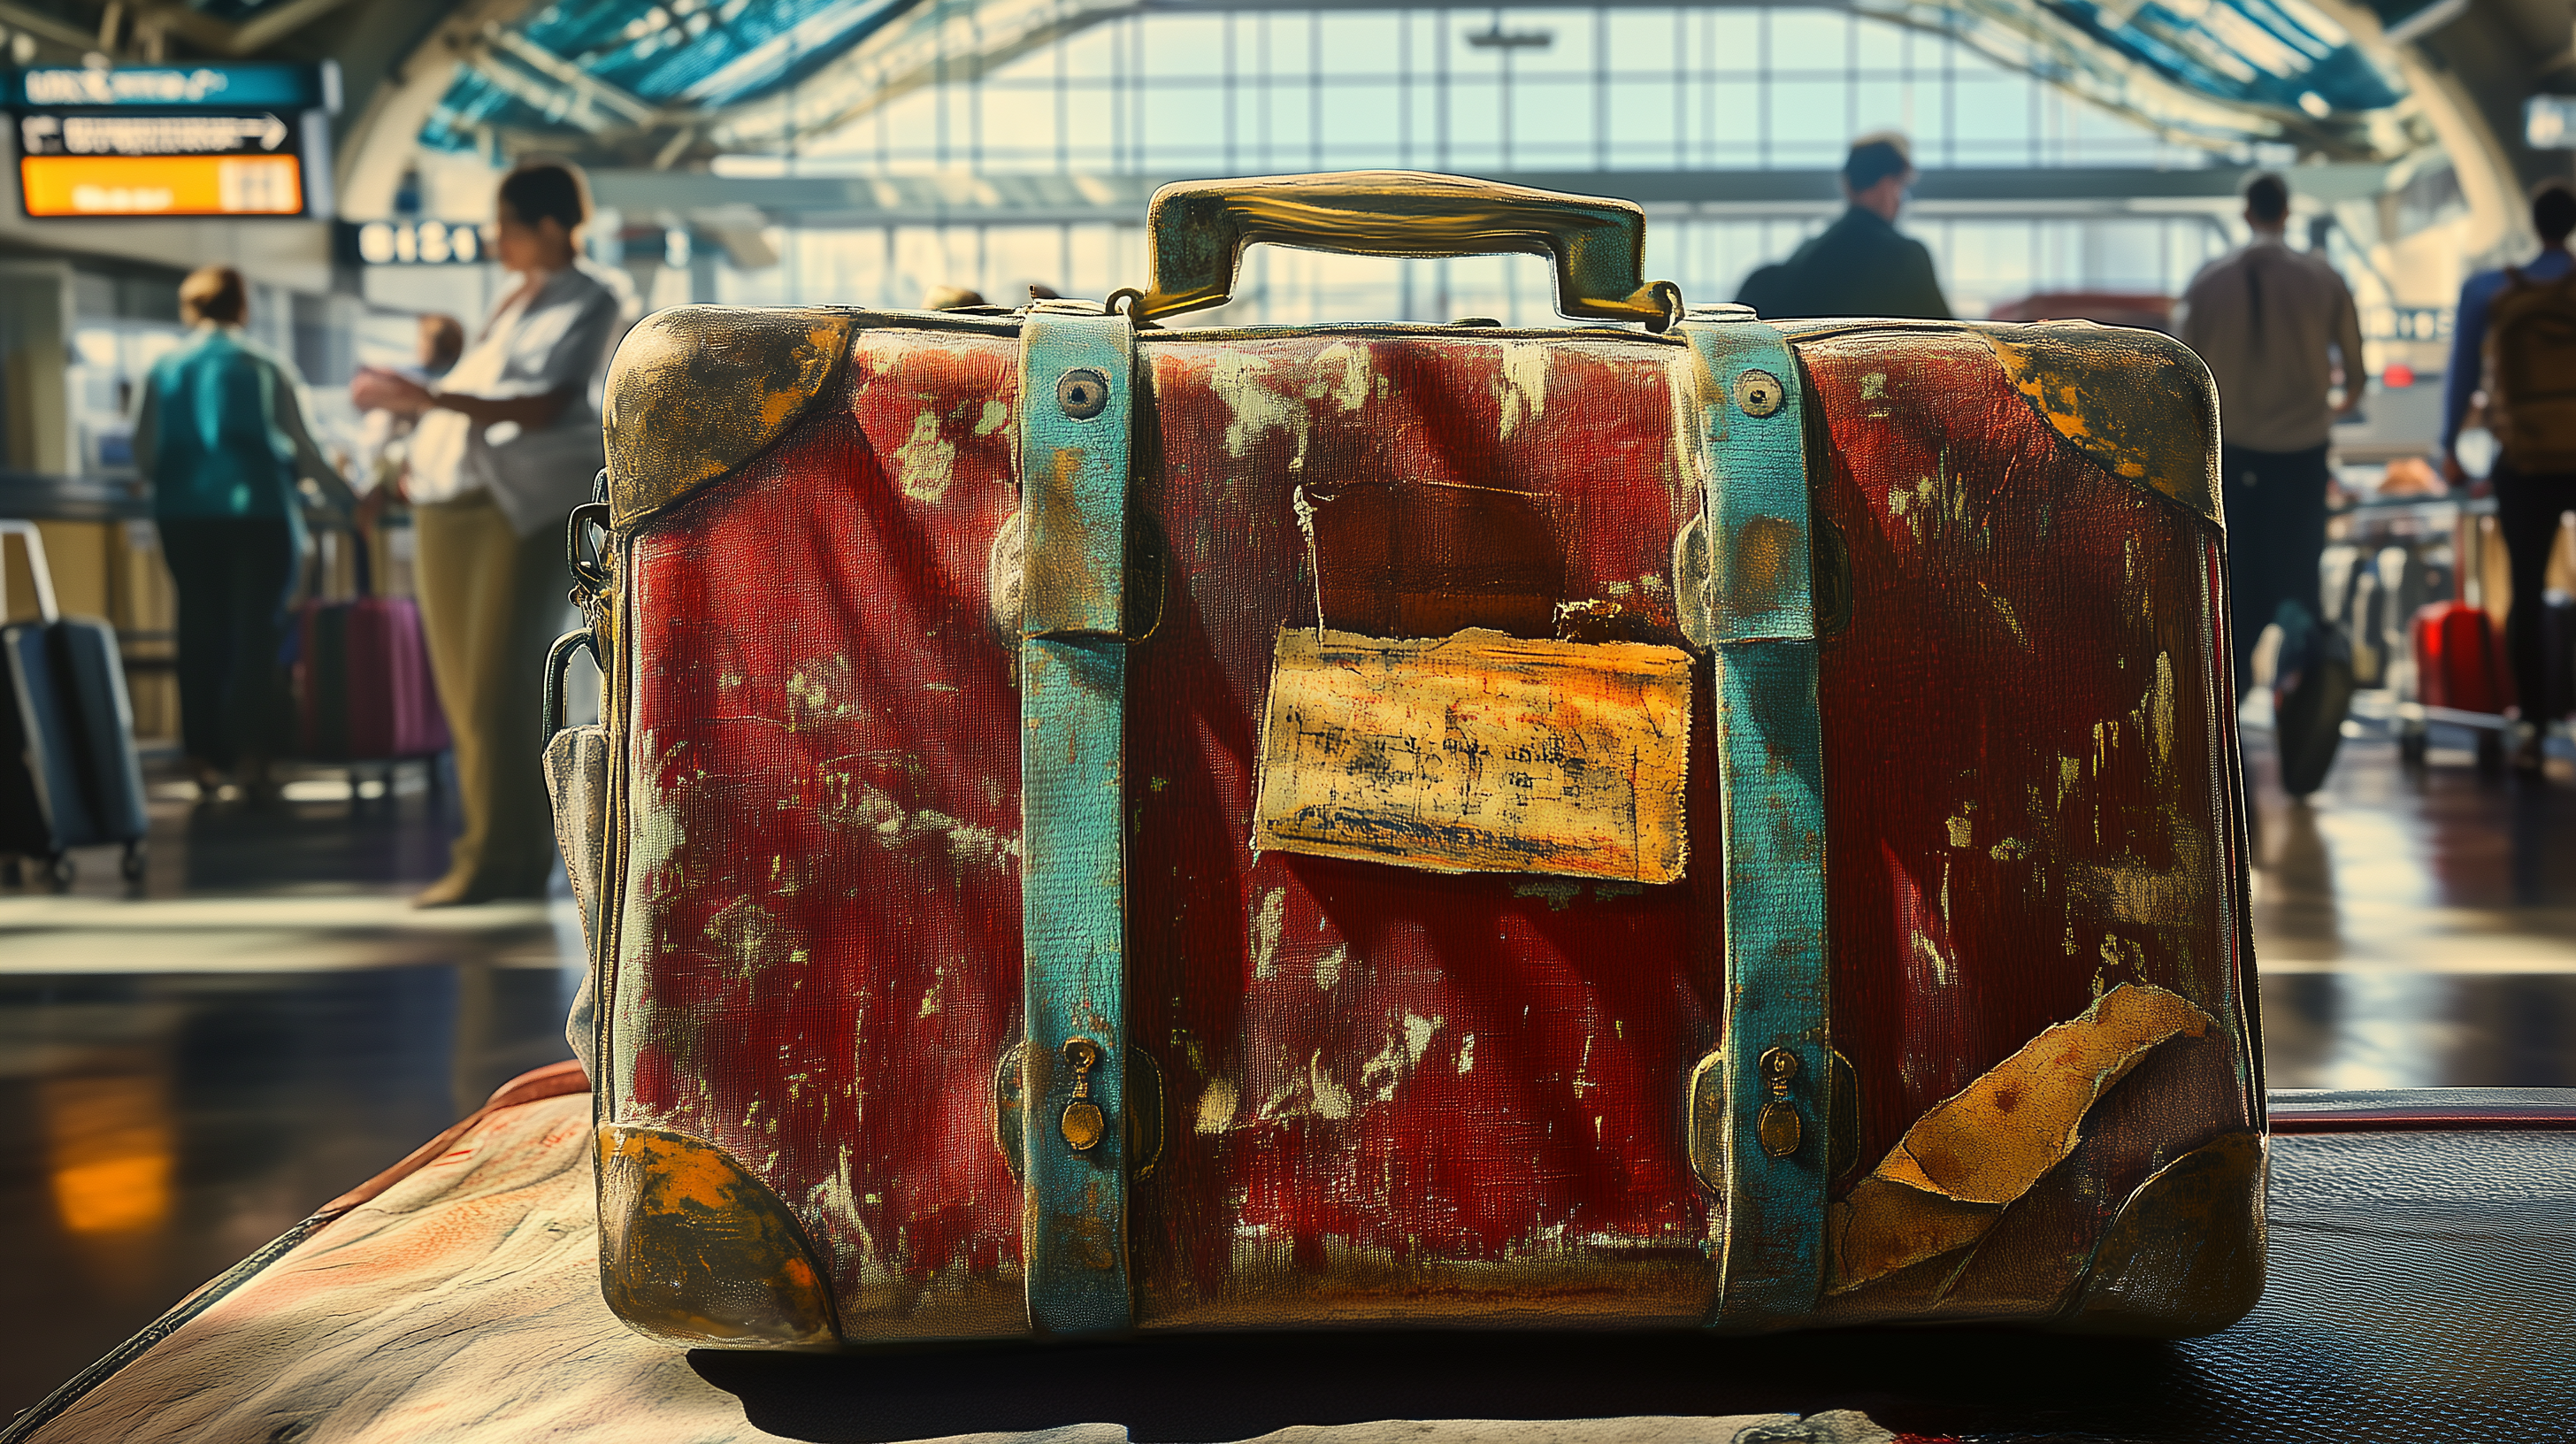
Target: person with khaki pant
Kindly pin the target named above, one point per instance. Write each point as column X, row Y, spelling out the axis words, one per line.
column 505, row 448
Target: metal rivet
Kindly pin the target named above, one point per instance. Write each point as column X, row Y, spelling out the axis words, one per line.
column 1083, row 393
column 1779, row 1065
column 1758, row 393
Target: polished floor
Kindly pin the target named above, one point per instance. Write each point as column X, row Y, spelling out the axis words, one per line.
column 188, row 1068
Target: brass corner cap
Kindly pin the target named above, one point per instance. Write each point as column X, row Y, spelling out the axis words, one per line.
column 2139, row 404
column 696, row 391
column 2184, row 1255
column 696, row 1251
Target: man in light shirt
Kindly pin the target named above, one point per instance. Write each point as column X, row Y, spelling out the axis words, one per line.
column 2273, row 324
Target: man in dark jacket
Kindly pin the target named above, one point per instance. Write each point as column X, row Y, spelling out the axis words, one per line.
column 1860, row 265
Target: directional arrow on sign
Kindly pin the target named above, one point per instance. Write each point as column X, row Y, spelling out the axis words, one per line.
column 274, row 134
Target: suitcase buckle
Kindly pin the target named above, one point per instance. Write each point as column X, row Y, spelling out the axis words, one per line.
column 1777, row 1126
column 1083, row 1122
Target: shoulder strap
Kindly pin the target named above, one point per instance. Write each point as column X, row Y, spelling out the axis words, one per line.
column 1077, row 377
column 1758, row 1105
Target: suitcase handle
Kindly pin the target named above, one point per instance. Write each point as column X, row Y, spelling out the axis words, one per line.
column 37, row 572
column 362, row 562
column 558, row 662
column 1196, row 232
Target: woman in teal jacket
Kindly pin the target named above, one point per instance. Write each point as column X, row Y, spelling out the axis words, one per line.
column 219, row 432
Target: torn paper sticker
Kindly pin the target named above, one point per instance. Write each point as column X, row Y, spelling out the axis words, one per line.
column 1981, row 1148
column 1478, row 752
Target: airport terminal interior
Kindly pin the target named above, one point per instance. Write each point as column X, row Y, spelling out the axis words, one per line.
column 209, row 1030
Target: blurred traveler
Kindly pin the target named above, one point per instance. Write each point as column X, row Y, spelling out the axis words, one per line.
column 1861, row 265
column 507, row 444
column 2272, row 323
column 2515, row 336
column 382, row 434
column 950, row 298
column 219, row 431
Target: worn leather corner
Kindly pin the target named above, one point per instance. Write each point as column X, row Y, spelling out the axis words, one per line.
column 694, row 1250
column 2184, row 1256
column 696, row 391
column 2139, row 404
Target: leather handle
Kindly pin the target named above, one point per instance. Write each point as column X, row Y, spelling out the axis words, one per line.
column 1196, row 232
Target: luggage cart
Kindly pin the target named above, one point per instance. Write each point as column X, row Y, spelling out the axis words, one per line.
column 2443, row 542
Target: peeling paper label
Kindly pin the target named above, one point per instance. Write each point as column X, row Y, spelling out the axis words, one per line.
column 1981, row 1148
column 1478, row 752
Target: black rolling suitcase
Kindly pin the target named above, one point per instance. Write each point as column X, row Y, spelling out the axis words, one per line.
column 68, row 774
column 2311, row 696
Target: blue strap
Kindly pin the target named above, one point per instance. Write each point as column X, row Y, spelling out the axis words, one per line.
column 1077, row 376
column 1776, row 1078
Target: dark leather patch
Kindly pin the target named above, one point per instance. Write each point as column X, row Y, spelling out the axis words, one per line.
column 696, row 391
column 2184, row 1256
column 694, row 1249
column 1424, row 559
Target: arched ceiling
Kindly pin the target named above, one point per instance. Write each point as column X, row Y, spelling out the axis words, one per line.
column 669, row 82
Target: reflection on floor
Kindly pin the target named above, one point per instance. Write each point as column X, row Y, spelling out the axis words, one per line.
column 184, row 1074
column 2417, row 929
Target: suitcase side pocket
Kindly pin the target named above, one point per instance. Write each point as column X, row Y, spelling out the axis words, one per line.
column 576, row 764
column 576, row 768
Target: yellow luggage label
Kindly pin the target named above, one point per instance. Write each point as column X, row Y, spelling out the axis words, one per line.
column 1478, row 752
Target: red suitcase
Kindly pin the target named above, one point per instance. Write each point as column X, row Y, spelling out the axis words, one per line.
column 1692, row 823
column 363, row 688
column 2457, row 662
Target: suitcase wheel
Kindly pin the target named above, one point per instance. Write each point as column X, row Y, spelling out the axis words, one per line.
column 61, row 871
column 130, row 866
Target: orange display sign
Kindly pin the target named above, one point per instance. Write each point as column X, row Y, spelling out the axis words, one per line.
column 155, row 185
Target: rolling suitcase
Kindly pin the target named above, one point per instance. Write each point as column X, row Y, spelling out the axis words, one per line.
column 363, row 688
column 2457, row 661
column 69, row 776
column 2311, row 695
column 1693, row 823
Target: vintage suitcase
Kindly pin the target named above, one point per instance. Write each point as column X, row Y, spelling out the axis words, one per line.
column 363, row 688
column 1671, row 822
column 69, row 774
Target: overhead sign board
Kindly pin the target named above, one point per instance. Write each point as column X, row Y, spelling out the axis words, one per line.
column 171, row 141
column 169, row 87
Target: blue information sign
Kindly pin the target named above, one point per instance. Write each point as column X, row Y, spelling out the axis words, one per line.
column 127, row 141
column 177, row 87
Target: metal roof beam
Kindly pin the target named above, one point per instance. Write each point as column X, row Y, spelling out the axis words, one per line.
column 569, row 75
column 1043, row 199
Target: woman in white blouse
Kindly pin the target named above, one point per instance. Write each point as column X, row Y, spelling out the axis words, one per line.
column 506, row 446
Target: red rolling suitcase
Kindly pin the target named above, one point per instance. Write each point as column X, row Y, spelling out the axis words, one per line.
column 2457, row 662
column 363, row 687
column 1692, row 822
